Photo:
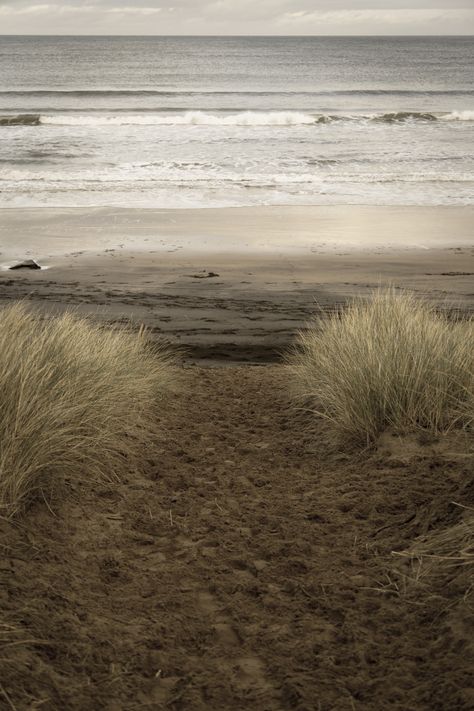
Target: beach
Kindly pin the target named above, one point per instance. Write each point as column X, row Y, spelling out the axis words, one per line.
column 235, row 284
column 208, row 502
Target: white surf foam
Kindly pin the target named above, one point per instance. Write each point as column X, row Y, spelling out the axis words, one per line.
column 198, row 118
column 459, row 116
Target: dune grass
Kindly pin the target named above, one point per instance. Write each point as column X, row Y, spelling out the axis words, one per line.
column 76, row 400
column 442, row 554
column 390, row 361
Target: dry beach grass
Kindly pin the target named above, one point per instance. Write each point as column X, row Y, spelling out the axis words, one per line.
column 390, row 361
column 76, row 400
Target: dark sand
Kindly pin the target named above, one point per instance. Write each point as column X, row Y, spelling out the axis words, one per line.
column 274, row 266
column 249, row 568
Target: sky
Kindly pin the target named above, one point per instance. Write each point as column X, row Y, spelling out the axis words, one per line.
column 237, row 17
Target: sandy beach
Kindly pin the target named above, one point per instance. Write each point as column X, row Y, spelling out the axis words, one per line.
column 232, row 284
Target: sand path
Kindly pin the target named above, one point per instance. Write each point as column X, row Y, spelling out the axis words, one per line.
column 247, row 569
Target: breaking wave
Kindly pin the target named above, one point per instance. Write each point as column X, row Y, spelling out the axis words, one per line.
column 191, row 118
column 459, row 116
column 244, row 118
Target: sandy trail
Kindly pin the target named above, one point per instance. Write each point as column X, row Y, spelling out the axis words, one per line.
column 248, row 568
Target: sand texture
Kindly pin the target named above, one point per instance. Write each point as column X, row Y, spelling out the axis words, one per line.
column 250, row 568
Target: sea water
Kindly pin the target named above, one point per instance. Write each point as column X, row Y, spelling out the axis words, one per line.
column 208, row 121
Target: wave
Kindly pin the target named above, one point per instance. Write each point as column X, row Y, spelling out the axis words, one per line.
column 402, row 116
column 20, row 120
column 189, row 118
column 139, row 176
column 223, row 92
column 397, row 116
column 458, row 116
column 244, row 118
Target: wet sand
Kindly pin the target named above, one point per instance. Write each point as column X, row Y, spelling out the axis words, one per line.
column 233, row 284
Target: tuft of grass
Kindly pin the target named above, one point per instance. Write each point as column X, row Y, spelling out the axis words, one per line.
column 391, row 361
column 76, row 400
column 443, row 554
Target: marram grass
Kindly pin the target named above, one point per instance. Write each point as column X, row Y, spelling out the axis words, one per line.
column 441, row 552
column 390, row 361
column 76, row 400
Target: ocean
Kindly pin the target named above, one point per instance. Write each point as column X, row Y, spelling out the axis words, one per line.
column 178, row 122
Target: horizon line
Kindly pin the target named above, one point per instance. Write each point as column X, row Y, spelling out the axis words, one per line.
column 246, row 36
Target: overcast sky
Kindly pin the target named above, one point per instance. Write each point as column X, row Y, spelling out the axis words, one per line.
column 239, row 17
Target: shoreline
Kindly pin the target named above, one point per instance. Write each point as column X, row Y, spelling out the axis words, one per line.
column 255, row 278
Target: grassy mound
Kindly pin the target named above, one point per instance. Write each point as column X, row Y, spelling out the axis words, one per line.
column 75, row 400
column 387, row 362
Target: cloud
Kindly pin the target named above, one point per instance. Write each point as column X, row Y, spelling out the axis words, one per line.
column 281, row 17
column 389, row 18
